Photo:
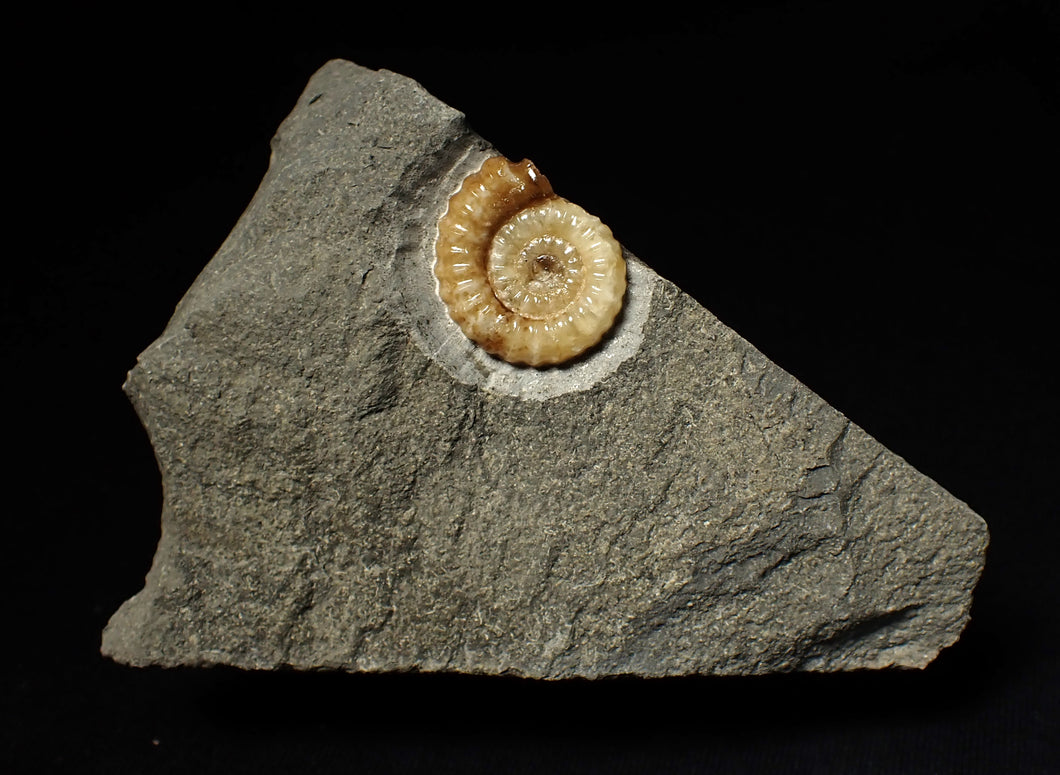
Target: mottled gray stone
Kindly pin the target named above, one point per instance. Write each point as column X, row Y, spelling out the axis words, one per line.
column 349, row 483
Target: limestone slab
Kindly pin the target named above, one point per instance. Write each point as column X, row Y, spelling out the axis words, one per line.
column 350, row 483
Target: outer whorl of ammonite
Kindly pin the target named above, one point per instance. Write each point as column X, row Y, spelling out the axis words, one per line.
column 528, row 276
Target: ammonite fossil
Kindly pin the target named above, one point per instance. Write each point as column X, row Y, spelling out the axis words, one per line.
column 527, row 275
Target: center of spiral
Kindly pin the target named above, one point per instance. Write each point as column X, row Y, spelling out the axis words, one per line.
column 538, row 280
column 542, row 265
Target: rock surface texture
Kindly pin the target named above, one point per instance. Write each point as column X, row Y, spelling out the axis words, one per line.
column 350, row 483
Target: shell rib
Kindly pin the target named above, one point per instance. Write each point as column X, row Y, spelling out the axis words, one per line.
column 527, row 275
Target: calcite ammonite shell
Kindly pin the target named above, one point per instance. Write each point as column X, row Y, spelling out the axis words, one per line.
column 527, row 275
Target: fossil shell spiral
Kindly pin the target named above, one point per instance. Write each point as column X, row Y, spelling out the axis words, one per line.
column 527, row 275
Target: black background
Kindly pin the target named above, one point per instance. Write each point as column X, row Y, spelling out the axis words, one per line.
column 867, row 192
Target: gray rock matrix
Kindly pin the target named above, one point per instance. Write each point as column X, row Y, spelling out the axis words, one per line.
column 350, row 483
